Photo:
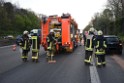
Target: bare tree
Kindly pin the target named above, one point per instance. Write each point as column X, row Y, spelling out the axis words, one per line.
column 116, row 7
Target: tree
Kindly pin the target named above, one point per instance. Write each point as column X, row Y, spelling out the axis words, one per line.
column 14, row 20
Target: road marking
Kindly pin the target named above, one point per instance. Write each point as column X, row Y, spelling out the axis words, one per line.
column 119, row 60
column 6, row 46
column 94, row 74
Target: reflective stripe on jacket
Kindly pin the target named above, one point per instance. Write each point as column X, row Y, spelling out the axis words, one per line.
column 25, row 43
column 89, row 42
column 100, row 45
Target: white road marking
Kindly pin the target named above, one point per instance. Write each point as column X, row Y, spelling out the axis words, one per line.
column 94, row 74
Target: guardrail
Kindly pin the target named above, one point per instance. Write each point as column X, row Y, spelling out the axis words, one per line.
column 6, row 42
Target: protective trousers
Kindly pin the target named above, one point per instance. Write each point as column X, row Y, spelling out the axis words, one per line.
column 24, row 55
column 35, row 55
column 50, row 51
column 35, row 48
column 101, row 60
column 88, row 56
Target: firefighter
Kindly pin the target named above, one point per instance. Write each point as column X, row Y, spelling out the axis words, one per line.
column 51, row 46
column 84, row 37
column 80, row 36
column 35, row 45
column 100, row 46
column 25, row 44
column 89, row 45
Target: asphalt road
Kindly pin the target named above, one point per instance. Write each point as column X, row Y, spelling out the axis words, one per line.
column 69, row 68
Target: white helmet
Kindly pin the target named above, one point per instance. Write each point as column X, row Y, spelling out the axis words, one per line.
column 92, row 29
column 25, row 32
column 100, row 32
column 51, row 30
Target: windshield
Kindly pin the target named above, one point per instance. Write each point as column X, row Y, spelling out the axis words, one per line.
column 112, row 39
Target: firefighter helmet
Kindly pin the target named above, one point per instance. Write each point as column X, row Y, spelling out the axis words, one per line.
column 25, row 32
column 92, row 29
column 100, row 32
column 51, row 31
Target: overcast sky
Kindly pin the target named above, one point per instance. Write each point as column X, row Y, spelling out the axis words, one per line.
column 81, row 10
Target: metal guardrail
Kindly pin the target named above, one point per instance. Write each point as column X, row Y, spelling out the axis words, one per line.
column 6, row 42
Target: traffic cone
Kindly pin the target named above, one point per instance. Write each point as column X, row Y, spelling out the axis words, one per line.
column 14, row 47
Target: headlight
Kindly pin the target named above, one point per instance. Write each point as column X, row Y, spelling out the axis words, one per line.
column 120, row 44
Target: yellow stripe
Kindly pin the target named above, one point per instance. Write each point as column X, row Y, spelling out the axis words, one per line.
column 34, row 37
column 88, row 60
column 103, row 62
column 97, row 44
column 24, row 56
column 105, row 44
column 24, row 45
column 35, row 57
column 98, row 53
column 35, row 50
column 98, row 62
column 90, row 43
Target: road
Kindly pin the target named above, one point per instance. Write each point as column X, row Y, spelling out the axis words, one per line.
column 69, row 68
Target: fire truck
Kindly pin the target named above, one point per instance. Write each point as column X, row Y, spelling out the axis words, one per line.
column 65, row 29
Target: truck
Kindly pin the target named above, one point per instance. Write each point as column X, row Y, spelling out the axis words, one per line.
column 65, row 29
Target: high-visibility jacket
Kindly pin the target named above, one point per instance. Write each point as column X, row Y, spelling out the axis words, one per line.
column 50, row 41
column 89, row 43
column 100, row 45
column 35, row 43
column 51, row 37
column 25, row 43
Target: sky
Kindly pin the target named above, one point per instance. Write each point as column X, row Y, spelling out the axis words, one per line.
column 81, row 10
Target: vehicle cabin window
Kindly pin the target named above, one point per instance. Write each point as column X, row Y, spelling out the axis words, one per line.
column 112, row 39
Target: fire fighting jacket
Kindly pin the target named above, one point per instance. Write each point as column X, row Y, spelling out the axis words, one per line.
column 100, row 45
column 89, row 43
column 35, row 43
column 25, row 43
